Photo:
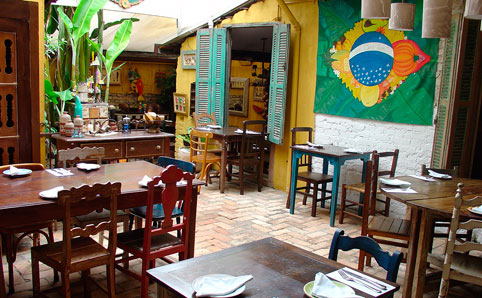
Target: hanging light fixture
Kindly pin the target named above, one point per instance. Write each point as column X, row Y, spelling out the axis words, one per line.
column 437, row 18
column 473, row 9
column 375, row 9
column 402, row 16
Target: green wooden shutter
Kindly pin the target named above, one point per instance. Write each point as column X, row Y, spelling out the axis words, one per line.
column 211, row 71
column 203, row 70
column 278, row 82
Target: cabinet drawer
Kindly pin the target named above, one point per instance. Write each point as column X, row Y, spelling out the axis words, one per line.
column 145, row 148
column 113, row 150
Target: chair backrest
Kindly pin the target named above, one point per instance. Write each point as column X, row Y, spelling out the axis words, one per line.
column 393, row 165
column 169, row 198
column 391, row 263
column 369, row 196
column 252, row 144
column 298, row 133
column 89, row 198
column 455, row 172
column 186, row 166
column 29, row 166
column 199, row 143
column 80, row 154
column 203, row 119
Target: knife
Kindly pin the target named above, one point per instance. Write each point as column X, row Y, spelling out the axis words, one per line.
column 361, row 277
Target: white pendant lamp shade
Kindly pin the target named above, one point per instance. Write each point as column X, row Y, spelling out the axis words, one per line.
column 402, row 16
column 437, row 18
column 473, row 9
column 375, row 9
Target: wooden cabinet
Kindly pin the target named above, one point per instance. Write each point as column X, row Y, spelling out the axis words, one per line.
column 136, row 144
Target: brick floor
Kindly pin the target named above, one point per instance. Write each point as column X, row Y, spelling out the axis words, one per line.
column 226, row 220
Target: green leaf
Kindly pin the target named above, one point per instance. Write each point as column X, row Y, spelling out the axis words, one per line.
column 95, row 32
column 49, row 91
column 65, row 95
column 118, row 44
column 53, row 21
column 83, row 15
column 66, row 20
column 96, row 47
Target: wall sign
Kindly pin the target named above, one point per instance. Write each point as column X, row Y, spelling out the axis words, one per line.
column 365, row 70
column 239, row 97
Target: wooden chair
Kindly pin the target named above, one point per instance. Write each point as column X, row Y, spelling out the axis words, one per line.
column 151, row 243
column 200, row 154
column 360, row 188
column 158, row 211
column 203, row 119
column 383, row 229
column 251, row 153
column 313, row 180
column 78, row 251
column 9, row 231
column 64, row 156
column 457, row 263
column 90, row 153
column 391, row 263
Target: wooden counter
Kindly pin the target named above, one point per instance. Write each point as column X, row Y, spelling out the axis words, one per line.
column 135, row 144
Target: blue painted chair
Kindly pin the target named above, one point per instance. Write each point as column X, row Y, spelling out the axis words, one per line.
column 158, row 211
column 391, row 263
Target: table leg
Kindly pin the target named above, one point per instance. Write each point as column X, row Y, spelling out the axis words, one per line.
column 192, row 224
column 2, row 279
column 334, row 194
column 294, row 173
column 325, row 171
column 412, row 253
column 424, row 241
column 222, row 174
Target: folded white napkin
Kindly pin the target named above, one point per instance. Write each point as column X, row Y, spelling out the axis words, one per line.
column 14, row 170
column 146, row 179
column 314, row 145
column 249, row 132
column 429, row 179
column 51, row 193
column 399, row 190
column 215, row 286
column 395, row 182
column 438, row 175
column 323, row 287
column 214, row 126
column 353, row 150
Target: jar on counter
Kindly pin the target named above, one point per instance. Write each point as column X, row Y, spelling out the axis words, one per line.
column 63, row 120
column 69, row 129
column 78, row 126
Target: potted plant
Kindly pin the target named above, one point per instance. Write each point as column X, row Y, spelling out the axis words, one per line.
column 185, row 151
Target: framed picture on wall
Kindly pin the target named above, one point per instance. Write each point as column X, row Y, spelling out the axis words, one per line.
column 179, row 103
column 258, row 89
column 239, row 97
column 189, row 59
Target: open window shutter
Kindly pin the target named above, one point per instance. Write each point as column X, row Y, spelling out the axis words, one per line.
column 211, row 71
column 219, row 86
column 203, row 71
column 278, row 82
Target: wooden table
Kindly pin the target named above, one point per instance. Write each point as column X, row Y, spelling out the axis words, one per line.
column 135, row 144
column 225, row 136
column 334, row 155
column 432, row 200
column 279, row 270
column 20, row 201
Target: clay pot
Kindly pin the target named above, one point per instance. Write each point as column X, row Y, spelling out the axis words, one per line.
column 63, row 119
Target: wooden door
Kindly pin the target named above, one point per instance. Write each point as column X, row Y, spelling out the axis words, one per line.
column 19, row 82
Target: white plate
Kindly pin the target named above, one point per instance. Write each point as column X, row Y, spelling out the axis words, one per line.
column 439, row 175
column 314, row 145
column 87, row 166
column 195, row 285
column 395, row 182
column 309, row 287
column 473, row 210
column 213, row 126
column 52, row 193
column 20, row 172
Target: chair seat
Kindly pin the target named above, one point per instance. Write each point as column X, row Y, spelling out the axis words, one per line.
column 465, row 264
column 235, row 160
column 315, row 177
column 360, row 187
column 389, row 225
column 157, row 213
column 95, row 217
column 210, row 158
column 85, row 252
column 135, row 240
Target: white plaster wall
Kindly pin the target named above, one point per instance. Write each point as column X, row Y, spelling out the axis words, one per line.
column 414, row 142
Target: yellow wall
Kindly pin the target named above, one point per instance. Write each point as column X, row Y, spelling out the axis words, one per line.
column 299, row 106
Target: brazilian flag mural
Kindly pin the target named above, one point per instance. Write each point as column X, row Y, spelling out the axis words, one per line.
column 365, row 70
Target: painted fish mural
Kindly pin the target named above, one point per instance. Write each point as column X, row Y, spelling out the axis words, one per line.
column 372, row 61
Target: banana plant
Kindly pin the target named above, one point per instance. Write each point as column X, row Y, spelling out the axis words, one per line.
column 78, row 27
column 116, row 47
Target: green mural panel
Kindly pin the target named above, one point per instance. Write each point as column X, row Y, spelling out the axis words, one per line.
column 365, row 70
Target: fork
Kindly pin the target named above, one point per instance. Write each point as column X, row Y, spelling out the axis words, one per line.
column 358, row 281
